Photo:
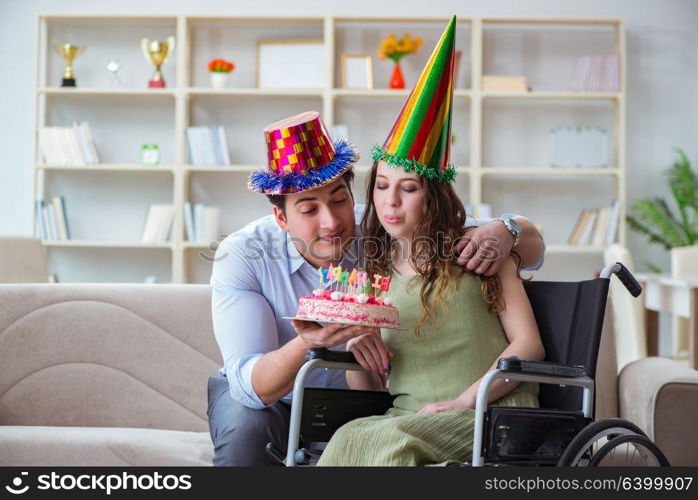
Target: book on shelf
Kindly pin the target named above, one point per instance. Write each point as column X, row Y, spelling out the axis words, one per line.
column 201, row 222
column 72, row 145
column 583, row 227
column 585, row 236
column 596, row 73
column 50, row 218
column 51, row 222
column 613, row 222
column 598, row 237
column 189, row 222
column 207, row 145
column 59, row 213
column 158, row 224
column 210, row 227
column 596, row 226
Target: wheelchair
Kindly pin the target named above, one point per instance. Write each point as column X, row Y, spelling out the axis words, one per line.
column 561, row 432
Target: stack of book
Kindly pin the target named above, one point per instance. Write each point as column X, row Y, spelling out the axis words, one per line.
column 207, row 146
column 68, row 145
column 158, row 224
column 201, row 222
column 597, row 73
column 51, row 223
column 596, row 226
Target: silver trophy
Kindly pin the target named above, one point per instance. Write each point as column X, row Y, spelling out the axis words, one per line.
column 113, row 66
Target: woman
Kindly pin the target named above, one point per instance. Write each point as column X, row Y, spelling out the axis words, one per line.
column 454, row 328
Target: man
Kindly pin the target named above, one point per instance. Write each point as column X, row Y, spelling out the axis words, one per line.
column 260, row 272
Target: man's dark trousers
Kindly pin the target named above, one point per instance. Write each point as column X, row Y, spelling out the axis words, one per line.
column 239, row 433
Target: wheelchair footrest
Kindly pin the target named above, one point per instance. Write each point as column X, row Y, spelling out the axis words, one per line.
column 529, row 434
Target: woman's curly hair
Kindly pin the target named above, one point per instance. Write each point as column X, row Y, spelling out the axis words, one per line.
column 432, row 252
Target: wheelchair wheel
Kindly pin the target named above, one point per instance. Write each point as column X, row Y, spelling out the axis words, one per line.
column 592, row 438
column 631, row 450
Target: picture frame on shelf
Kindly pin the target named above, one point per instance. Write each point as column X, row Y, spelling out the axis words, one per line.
column 290, row 63
column 357, row 71
column 504, row 83
column 579, row 147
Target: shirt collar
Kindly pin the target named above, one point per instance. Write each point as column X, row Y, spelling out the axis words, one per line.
column 296, row 260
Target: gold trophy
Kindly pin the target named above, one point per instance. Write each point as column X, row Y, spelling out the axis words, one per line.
column 157, row 53
column 69, row 53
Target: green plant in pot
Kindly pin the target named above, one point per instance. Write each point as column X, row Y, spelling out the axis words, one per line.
column 654, row 217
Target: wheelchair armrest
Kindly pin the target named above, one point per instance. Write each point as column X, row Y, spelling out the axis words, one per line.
column 514, row 364
column 328, row 355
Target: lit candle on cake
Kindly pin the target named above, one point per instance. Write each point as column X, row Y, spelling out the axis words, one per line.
column 377, row 283
column 344, row 280
column 337, row 273
column 362, row 279
column 352, row 281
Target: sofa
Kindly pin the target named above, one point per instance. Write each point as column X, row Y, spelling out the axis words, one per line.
column 116, row 375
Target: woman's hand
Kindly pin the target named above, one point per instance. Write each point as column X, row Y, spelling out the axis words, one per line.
column 464, row 401
column 370, row 351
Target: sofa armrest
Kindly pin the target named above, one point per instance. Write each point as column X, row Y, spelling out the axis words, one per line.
column 660, row 395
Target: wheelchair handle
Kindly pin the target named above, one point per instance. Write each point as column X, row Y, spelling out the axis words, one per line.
column 624, row 276
column 329, row 355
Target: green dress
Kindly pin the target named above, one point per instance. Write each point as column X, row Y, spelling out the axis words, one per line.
column 454, row 349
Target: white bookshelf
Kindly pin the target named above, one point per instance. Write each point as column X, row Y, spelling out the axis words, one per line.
column 499, row 147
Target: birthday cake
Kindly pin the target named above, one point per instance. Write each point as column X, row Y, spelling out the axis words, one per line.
column 350, row 301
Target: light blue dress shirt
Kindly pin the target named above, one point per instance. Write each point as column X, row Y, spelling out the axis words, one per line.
column 258, row 276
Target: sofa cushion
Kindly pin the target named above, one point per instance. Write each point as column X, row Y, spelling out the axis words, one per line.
column 102, row 446
column 106, row 355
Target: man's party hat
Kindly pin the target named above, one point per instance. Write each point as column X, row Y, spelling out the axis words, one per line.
column 301, row 156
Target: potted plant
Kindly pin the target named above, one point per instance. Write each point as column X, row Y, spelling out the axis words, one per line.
column 219, row 69
column 657, row 220
column 394, row 49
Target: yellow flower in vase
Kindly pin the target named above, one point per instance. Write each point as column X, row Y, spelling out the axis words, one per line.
column 394, row 49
